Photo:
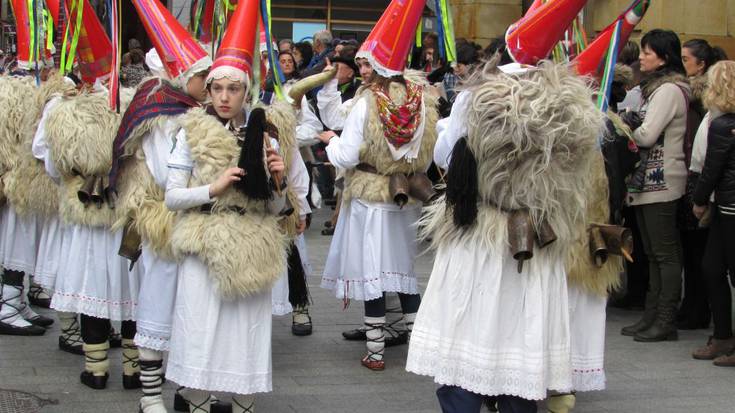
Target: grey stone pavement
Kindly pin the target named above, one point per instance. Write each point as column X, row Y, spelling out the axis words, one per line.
column 322, row 372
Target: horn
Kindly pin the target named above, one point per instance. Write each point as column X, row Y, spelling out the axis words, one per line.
column 398, row 188
column 300, row 88
column 521, row 236
column 421, row 188
column 85, row 192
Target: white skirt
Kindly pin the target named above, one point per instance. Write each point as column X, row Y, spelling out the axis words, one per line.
column 373, row 251
column 18, row 240
column 92, row 279
column 219, row 345
column 587, row 322
column 486, row 328
column 279, row 295
column 49, row 252
column 155, row 312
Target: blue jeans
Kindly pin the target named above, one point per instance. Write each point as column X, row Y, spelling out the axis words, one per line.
column 453, row 399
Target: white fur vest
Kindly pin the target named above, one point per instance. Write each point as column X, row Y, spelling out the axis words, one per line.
column 245, row 253
column 375, row 152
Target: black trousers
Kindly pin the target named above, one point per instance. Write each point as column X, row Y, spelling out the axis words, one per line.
column 453, row 399
column 409, row 304
column 14, row 278
column 97, row 330
column 695, row 306
column 719, row 257
column 637, row 271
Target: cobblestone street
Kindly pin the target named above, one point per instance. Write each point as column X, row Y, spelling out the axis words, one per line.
column 322, row 372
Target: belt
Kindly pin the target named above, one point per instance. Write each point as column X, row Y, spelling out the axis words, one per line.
column 207, row 209
column 364, row 167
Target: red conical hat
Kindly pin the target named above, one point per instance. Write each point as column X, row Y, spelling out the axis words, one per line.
column 591, row 60
column 94, row 50
column 181, row 55
column 235, row 55
column 531, row 39
column 22, row 33
column 536, row 4
column 388, row 45
column 54, row 6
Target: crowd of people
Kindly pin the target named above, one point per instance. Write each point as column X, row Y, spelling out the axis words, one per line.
column 182, row 216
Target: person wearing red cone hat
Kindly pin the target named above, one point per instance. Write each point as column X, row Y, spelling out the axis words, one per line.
column 138, row 175
column 18, row 226
column 226, row 230
column 490, row 193
column 532, row 38
column 92, row 279
column 388, row 137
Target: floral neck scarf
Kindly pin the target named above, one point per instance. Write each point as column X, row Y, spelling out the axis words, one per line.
column 400, row 121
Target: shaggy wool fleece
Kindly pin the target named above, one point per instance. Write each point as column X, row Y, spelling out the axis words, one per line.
column 140, row 200
column 15, row 103
column 29, row 189
column 374, row 150
column 245, row 253
column 533, row 136
column 581, row 268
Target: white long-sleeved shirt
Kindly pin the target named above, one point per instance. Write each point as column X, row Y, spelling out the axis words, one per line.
column 451, row 129
column 331, row 108
column 40, row 148
column 157, row 147
column 344, row 150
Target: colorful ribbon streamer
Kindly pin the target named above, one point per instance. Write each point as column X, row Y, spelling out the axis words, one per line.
column 603, row 98
column 278, row 77
column 67, row 57
column 447, row 45
column 114, row 7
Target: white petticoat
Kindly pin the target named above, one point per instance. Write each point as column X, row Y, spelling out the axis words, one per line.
column 373, row 251
column 219, row 345
column 18, row 240
column 49, row 252
column 587, row 323
column 92, row 278
column 156, row 298
column 486, row 328
column 279, row 297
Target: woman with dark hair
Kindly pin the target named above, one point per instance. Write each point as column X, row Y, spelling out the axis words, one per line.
column 697, row 56
column 660, row 181
column 718, row 176
column 302, row 54
column 287, row 62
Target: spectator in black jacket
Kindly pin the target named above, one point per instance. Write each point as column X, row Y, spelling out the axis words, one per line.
column 718, row 176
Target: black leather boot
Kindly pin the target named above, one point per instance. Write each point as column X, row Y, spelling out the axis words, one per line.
column 663, row 329
column 644, row 323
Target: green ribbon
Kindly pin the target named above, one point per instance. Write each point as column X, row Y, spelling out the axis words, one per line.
column 67, row 61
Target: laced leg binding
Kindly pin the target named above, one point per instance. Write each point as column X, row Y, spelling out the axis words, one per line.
column 11, row 305
column 301, row 316
column 70, row 332
column 243, row 404
column 199, row 401
column 375, row 343
column 408, row 320
column 130, row 358
column 151, row 378
column 95, row 358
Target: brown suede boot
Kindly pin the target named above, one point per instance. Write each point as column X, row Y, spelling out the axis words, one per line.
column 726, row 360
column 715, row 348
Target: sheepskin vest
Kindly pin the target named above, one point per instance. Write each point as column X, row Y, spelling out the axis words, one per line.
column 245, row 253
column 282, row 115
column 14, row 92
column 28, row 187
column 375, row 152
column 140, row 200
column 80, row 133
column 581, row 268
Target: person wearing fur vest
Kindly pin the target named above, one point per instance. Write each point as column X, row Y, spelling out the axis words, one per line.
column 660, row 181
column 385, row 148
column 138, row 177
column 514, row 215
column 22, row 210
column 92, row 279
column 227, row 233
